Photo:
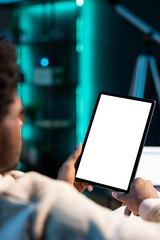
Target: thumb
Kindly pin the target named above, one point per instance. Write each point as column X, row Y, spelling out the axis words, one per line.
column 119, row 196
column 74, row 156
column 127, row 211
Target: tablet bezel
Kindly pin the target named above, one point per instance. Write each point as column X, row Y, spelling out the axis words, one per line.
column 153, row 104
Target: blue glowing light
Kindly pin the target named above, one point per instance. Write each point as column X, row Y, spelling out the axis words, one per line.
column 44, row 62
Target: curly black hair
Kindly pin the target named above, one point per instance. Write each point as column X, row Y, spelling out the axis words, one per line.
column 9, row 76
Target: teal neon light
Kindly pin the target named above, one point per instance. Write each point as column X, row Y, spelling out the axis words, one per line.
column 30, row 133
column 18, row 52
column 79, row 114
column 79, row 35
column 86, row 70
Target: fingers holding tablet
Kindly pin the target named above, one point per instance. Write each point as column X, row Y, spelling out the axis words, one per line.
column 67, row 171
column 140, row 190
column 90, row 188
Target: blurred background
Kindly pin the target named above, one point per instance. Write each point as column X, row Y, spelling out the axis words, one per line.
column 68, row 51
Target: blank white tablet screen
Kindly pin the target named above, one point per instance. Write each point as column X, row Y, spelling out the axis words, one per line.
column 113, row 142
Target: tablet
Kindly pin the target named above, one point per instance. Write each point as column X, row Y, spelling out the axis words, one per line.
column 114, row 141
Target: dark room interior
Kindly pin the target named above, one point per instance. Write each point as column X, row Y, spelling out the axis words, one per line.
column 68, row 51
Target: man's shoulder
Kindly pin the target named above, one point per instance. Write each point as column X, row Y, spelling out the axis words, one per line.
column 14, row 173
column 7, row 179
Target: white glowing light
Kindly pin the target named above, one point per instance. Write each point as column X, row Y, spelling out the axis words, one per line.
column 79, row 2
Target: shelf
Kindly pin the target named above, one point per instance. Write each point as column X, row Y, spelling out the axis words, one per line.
column 50, row 42
column 56, row 86
column 30, row 2
column 46, row 28
column 52, row 124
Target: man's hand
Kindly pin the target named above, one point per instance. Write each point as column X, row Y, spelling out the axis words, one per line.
column 67, row 171
column 140, row 190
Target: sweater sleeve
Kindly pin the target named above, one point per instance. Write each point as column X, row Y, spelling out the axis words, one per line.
column 76, row 217
column 150, row 209
column 55, row 209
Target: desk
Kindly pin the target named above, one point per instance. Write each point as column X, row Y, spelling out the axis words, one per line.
column 149, row 165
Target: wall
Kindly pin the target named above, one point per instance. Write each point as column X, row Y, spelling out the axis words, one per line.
column 111, row 46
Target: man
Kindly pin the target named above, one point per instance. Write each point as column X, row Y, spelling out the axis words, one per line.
column 33, row 206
